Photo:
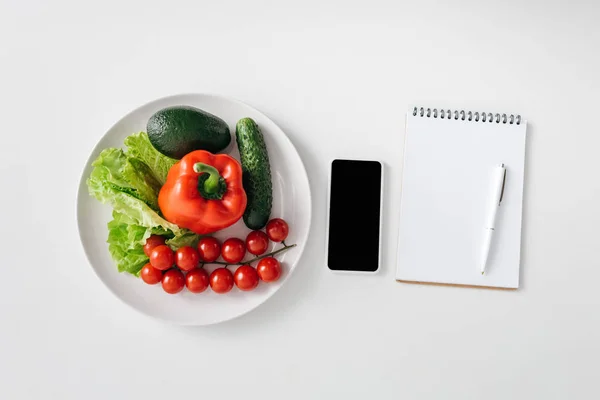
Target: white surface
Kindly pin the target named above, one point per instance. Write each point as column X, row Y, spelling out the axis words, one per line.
column 327, row 73
column 291, row 201
column 448, row 171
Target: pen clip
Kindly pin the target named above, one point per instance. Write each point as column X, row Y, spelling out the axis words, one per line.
column 503, row 185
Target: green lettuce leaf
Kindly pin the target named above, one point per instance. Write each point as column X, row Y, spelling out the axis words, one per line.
column 122, row 229
column 186, row 239
column 125, row 202
column 126, row 174
column 139, row 146
column 125, row 244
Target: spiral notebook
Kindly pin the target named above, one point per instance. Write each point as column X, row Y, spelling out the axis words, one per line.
column 449, row 159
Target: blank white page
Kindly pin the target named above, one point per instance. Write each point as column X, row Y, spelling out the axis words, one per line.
column 446, row 190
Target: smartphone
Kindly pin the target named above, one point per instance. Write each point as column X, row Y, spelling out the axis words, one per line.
column 354, row 226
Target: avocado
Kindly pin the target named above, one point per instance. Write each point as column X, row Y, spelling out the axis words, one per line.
column 256, row 171
column 179, row 130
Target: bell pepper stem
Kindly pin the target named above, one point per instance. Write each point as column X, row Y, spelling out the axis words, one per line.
column 211, row 185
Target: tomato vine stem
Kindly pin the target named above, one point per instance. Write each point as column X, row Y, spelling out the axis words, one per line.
column 284, row 248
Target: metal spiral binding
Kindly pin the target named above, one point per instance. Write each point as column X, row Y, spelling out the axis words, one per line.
column 467, row 115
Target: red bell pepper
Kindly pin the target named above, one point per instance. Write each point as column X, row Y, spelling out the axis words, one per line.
column 203, row 192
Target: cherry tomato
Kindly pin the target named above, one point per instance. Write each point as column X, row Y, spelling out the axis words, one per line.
column 209, row 249
column 245, row 278
column 150, row 275
column 196, row 280
column 233, row 250
column 162, row 257
column 257, row 242
column 277, row 230
column 152, row 242
column 221, row 280
column 173, row 281
column 269, row 269
column 186, row 258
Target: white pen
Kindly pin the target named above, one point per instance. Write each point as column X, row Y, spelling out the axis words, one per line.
column 499, row 178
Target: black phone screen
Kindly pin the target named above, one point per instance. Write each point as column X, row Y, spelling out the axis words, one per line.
column 354, row 215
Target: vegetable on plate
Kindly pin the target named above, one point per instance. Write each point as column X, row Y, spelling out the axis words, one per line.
column 269, row 269
column 196, row 280
column 173, row 281
column 221, row 280
column 152, row 242
column 245, row 278
column 203, row 192
column 209, row 249
column 257, row 242
column 162, row 257
column 187, row 258
column 257, row 173
column 177, row 131
column 151, row 275
column 233, row 250
column 277, row 230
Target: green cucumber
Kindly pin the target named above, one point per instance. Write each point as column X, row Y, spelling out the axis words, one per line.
column 256, row 173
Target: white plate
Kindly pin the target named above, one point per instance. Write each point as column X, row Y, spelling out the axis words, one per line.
column 291, row 201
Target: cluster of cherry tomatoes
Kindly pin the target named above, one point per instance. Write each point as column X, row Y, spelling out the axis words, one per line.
column 190, row 260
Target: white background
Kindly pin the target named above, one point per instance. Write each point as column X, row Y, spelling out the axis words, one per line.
column 331, row 74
